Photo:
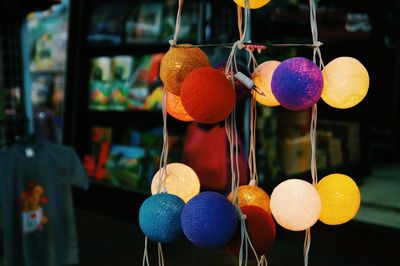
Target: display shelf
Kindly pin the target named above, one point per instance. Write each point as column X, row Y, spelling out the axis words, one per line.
column 105, row 49
column 47, row 71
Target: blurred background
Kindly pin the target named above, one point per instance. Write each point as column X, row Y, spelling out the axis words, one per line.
column 86, row 74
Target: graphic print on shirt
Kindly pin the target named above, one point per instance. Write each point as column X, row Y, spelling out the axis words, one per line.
column 30, row 202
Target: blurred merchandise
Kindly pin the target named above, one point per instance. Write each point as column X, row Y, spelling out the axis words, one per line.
column 106, row 22
column 296, row 155
column 122, row 83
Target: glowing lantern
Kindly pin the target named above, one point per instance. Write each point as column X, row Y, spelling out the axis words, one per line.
column 340, row 199
column 297, row 83
column 175, row 108
column 295, row 204
column 253, row 4
column 207, row 95
column 209, row 220
column 262, row 76
column 177, row 63
column 261, row 230
column 252, row 195
column 159, row 217
column 346, row 82
column 181, row 181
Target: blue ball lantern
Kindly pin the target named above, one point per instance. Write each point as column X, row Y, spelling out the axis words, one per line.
column 297, row 83
column 160, row 217
column 209, row 220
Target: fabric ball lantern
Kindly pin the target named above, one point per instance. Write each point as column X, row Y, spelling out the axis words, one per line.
column 253, row 4
column 262, row 76
column 252, row 195
column 180, row 180
column 209, row 220
column 207, row 95
column 346, row 82
column 295, row 204
column 159, row 217
column 177, row 63
column 297, row 83
column 340, row 198
column 175, row 108
column 261, row 229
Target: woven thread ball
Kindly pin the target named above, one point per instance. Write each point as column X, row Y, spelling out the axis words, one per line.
column 175, row 108
column 252, row 195
column 262, row 76
column 160, row 217
column 207, row 95
column 295, row 204
column 261, row 229
column 297, row 83
column 346, row 82
column 177, row 63
column 209, row 220
column 181, row 181
column 340, row 199
column 253, row 4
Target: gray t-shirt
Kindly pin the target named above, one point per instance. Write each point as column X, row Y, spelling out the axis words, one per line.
column 36, row 204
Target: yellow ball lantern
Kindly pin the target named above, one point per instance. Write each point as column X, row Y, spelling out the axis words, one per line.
column 181, row 181
column 262, row 76
column 340, row 199
column 177, row 63
column 253, row 4
column 346, row 82
column 253, row 196
column 295, row 204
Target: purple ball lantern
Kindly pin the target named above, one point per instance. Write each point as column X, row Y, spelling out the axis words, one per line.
column 297, row 83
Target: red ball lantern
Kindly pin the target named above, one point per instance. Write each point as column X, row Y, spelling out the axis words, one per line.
column 207, row 95
column 260, row 228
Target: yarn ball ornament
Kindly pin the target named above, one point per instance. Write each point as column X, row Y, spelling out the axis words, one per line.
column 262, row 76
column 175, row 108
column 160, row 217
column 209, row 220
column 177, row 63
column 297, row 83
column 207, row 95
column 340, row 198
column 346, row 82
column 295, row 204
column 252, row 195
column 180, row 180
column 261, row 230
column 253, row 4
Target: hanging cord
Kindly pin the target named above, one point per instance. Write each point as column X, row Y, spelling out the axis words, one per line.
column 177, row 24
column 160, row 255
column 252, row 152
column 314, row 115
column 145, row 254
column 263, row 261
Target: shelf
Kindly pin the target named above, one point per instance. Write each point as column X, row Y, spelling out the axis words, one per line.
column 47, row 71
column 104, row 49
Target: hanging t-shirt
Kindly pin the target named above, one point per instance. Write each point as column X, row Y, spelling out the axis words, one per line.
column 36, row 204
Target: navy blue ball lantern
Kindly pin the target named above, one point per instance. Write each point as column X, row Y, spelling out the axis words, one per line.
column 209, row 220
column 297, row 83
column 160, row 217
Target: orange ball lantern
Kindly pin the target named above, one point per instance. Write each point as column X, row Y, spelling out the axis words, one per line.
column 252, row 195
column 207, row 95
column 177, row 63
column 175, row 108
column 261, row 230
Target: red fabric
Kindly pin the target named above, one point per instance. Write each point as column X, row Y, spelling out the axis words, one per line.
column 207, row 95
column 206, row 151
column 261, row 229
